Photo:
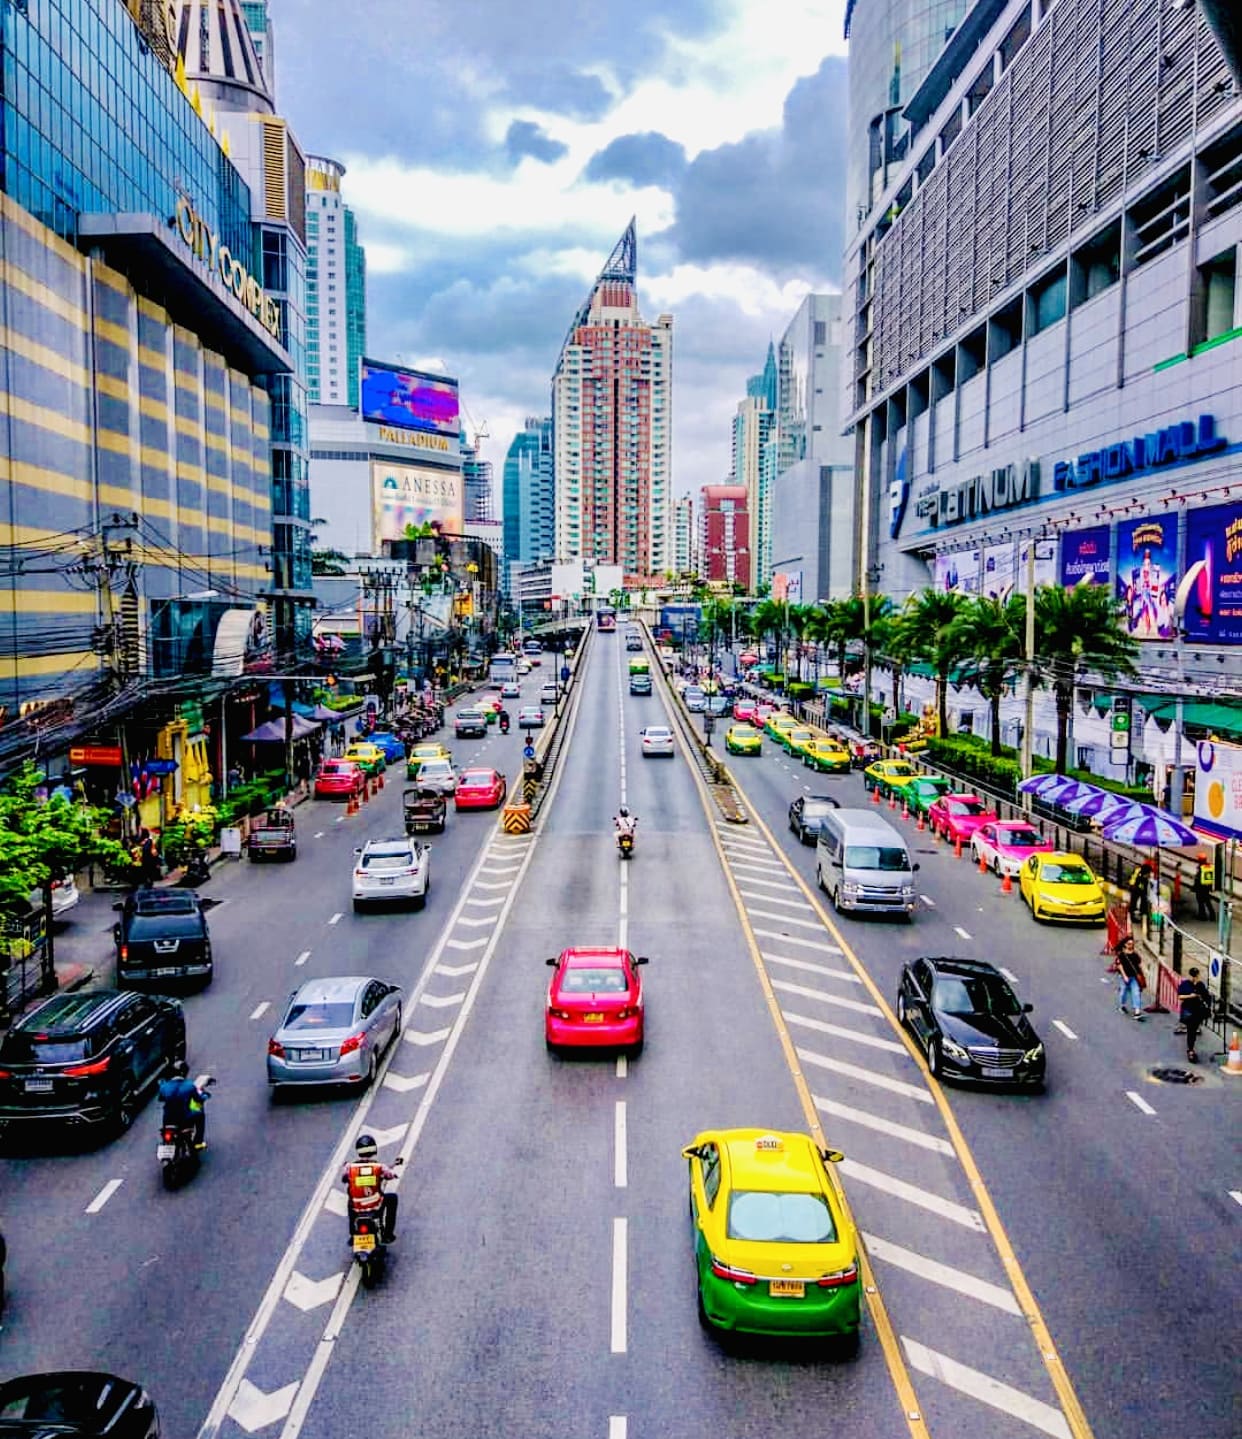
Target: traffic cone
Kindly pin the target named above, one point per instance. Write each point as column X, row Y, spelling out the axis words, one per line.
column 379, row 780
column 892, row 799
column 875, row 795
column 983, row 865
column 957, row 849
column 905, row 809
column 922, row 824
column 351, row 804
column 1233, row 1064
column 1006, row 883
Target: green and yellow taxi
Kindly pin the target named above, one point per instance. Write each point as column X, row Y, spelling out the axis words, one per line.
column 828, row 756
column 1061, row 886
column 743, row 739
column 776, row 1251
column 923, row 792
column 368, row 757
column 420, row 752
column 889, row 776
column 780, row 720
column 794, row 738
column 640, row 666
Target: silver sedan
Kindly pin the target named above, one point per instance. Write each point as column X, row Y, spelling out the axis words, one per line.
column 656, row 739
column 334, row 1032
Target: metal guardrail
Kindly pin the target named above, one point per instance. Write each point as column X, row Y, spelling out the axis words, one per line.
column 551, row 743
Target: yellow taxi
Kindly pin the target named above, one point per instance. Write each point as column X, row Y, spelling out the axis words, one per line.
column 775, row 1250
column 828, row 756
column 430, row 750
column 743, row 739
column 368, row 757
column 779, row 720
column 793, row 739
column 888, row 775
column 1061, row 886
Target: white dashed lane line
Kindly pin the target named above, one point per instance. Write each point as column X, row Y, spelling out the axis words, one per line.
column 986, row 1389
column 960, row 932
column 336, row 918
column 302, row 958
column 1065, row 1029
column 103, row 1196
column 1139, row 1102
column 259, row 1010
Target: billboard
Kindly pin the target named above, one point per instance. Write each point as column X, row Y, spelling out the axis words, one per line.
column 1147, row 576
column 410, row 399
column 1210, row 594
column 1086, row 556
column 1045, row 562
column 413, row 495
column 787, row 586
column 997, row 580
column 1218, row 787
column 958, row 570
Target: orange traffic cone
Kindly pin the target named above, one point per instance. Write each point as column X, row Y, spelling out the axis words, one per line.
column 1233, row 1064
column 875, row 795
column 905, row 808
column 1006, row 883
column 351, row 804
column 957, row 849
column 379, row 780
column 892, row 800
column 921, row 825
column 983, row 865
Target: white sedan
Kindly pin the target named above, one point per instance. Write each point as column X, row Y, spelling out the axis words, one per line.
column 389, row 869
column 530, row 717
column 656, row 739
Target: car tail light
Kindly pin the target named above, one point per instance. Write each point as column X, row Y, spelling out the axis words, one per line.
column 85, row 1071
column 560, row 1014
column 349, row 1045
column 838, row 1277
column 360, row 874
column 628, row 1012
column 124, row 953
column 736, row 1276
column 6, row 1074
column 56, row 884
column 275, row 1049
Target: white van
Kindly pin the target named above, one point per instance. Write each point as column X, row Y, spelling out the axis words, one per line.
column 862, row 863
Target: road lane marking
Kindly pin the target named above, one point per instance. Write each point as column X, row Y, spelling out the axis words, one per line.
column 1065, row 1029
column 259, row 1010
column 318, row 834
column 923, row 1198
column 616, row 1426
column 786, row 919
column 1139, row 1102
column 465, row 944
column 883, row 1126
column 944, row 1274
column 810, row 967
column 303, row 957
column 403, row 1083
column 479, row 923
column 486, row 884
column 620, row 1171
column 618, row 1285
column 773, row 899
column 253, row 1409
column 441, row 1001
column 758, row 866
column 770, row 883
column 496, row 899
column 987, row 1390
column 307, row 1294
column 803, row 991
column 455, row 971
column 960, row 932
column 1236, row 1195
column 928, row 901
column 104, row 1195
column 623, row 1066
column 817, row 944
column 437, row 1036
column 866, row 1076
column 820, row 1026
column 336, row 918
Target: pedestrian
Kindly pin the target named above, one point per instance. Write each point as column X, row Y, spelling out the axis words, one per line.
column 1130, row 980
column 1140, row 895
column 148, row 858
column 1205, row 883
column 1194, row 1006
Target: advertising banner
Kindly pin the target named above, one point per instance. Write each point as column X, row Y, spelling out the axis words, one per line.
column 1086, row 556
column 1210, row 594
column 413, row 495
column 1045, row 563
column 1218, row 787
column 787, row 586
column 410, row 399
column 958, row 570
column 1147, row 575
column 998, row 573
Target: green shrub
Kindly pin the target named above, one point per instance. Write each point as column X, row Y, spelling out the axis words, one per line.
column 799, row 690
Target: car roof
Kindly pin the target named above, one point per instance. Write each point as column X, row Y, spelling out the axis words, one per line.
column 71, row 1012
column 964, row 794
column 596, row 955
column 952, row 964
column 792, row 1166
column 1061, row 856
column 163, row 901
column 330, row 991
column 1012, row 824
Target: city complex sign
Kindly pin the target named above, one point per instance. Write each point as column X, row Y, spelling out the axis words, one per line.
column 419, row 439
column 1004, row 488
column 205, row 245
column 1172, row 445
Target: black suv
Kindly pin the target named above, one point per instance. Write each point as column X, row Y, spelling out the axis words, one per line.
column 162, row 935
column 76, row 1404
column 88, row 1058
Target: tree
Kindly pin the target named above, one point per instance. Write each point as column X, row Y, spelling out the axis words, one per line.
column 928, row 621
column 992, row 638
column 798, row 617
column 769, row 618
column 1078, row 632
column 844, row 623
column 890, row 642
column 329, row 562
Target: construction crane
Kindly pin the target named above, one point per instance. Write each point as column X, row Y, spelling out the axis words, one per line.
column 481, row 432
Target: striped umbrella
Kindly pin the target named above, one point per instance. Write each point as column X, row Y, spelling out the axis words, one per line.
column 1043, row 784
column 1150, row 829
column 1104, row 805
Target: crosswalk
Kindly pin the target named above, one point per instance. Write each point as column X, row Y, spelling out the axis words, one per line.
column 945, row 1271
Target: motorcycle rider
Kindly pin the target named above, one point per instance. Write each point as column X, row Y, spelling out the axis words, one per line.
column 184, row 1103
column 624, row 823
column 364, row 1180
column 503, row 720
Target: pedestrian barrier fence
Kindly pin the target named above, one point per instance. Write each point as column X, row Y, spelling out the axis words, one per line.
column 23, row 945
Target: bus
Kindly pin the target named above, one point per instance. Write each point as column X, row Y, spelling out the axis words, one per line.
column 605, row 619
column 503, row 670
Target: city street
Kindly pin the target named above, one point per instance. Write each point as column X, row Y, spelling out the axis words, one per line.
column 542, row 1282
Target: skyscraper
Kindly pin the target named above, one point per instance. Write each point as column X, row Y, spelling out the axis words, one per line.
column 685, row 548
column 529, row 510
column 336, row 281
column 754, row 463
column 259, row 23
column 476, row 477
column 725, row 538
column 612, row 422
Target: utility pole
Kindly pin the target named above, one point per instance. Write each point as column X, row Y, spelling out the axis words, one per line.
column 1028, row 722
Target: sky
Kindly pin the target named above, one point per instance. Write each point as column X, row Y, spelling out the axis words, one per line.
column 496, row 150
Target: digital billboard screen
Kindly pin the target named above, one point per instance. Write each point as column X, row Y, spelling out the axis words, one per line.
column 410, row 399
column 1211, row 589
column 414, row 495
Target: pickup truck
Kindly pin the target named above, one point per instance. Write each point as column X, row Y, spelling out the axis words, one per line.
column 424, row 810
column 273, row 836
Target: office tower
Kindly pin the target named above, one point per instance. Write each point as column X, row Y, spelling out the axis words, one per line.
column 529, row 508
column 336, row 299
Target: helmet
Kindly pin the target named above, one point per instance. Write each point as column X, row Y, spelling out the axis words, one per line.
column 365, row 1147
column 179, row 1069
column 625, row 814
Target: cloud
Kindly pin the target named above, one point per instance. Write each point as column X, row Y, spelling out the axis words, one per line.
column 524, row 138
column 646, row 159
column 561, row 90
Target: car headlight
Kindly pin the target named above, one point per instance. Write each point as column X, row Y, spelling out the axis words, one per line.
column 1033, row 1056
column 849, row 888
column 907, row 891
column 954, row 1051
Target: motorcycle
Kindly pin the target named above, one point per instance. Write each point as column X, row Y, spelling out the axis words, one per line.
column 625, row 843
column 197, row 870
column 178, row 1158
column 504, row 724
column 366, row 1239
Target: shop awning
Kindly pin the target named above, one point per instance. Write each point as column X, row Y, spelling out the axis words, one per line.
column 273, row 732
column 1214, row 716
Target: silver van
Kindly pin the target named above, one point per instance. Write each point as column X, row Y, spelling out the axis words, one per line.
column 862, row 863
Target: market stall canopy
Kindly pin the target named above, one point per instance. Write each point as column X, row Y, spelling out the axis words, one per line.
column 273, row 732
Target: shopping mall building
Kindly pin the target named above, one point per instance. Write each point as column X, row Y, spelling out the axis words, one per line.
column 1043, row 276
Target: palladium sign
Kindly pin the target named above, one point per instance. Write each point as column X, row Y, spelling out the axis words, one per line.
column 206, row 247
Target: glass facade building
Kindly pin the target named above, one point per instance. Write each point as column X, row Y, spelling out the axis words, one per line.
column 529, row 516
column 336, row 289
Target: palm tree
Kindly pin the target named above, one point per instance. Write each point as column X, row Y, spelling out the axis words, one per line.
column 769, row 618
column 798, row 617
column 928, row 621
column 992, row 636
column 1078, row 632
column 845, row 623
column 891, row 642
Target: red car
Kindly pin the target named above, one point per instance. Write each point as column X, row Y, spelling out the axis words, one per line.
column 595, row 1000
column 744, row 711
column 337, row 778
column 957, row 816
column 480, row 789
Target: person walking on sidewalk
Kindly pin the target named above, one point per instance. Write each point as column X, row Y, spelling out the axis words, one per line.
column 1205, row 882
column 1129, row 978
column 1194, row 1006
column 1140, row 895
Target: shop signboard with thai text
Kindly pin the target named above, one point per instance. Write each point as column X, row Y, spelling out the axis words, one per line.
column 1210, row 594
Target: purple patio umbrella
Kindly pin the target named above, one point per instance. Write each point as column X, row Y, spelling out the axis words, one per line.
column 1150, row 828
column 1103, row 805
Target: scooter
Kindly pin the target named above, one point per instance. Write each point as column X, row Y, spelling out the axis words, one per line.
column 625, row 843
column 197, row 870
column 179, row 1160
column 504, row 724
column 366, row 1239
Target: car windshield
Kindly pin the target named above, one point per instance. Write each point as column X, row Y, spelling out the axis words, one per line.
column 165, row 926
column 815, row 808
column 386, row 859
column 875, row 856
column 475, row 781
column 1065, row 874
column 321, row 1014
column 594, row 981
column 965, row 806
column 974, row 994
column 657, row 733
column 770, row 1218
column 22, row 1048
column 1022, row 837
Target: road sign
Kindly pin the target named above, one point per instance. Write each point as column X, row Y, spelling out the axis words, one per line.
column 528, row 750
column 564, row 673
column 91, row 754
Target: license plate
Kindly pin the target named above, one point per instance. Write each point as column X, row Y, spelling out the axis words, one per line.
column 165, row 970
column 166, row 1151
column 38, row 1086
column 593, row 1019
column 999, row 1073
column 385, row 881
column 312, row 1054
column 787, row 1288
column 364, row 1243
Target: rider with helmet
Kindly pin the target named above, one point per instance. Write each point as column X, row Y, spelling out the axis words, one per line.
column 184, row 1103
column 364, row 1180
column 624, row 823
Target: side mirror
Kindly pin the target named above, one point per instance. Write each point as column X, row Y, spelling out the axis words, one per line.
column 551, row 961
column 118, row 905
column 1027, row 1008
column 914, row 868
column 357, row 849
column 831, row 1156
column 642, row 959
column 692, row 1151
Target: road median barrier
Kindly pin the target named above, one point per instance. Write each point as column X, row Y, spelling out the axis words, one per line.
column 537, row 770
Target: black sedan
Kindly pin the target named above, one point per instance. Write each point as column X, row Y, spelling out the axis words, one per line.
column 76, row 1404
column 806, row 815
column 969, row 1022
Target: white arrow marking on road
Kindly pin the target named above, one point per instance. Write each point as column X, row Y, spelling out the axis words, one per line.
column 483, row 884
column 336, row 918
column 337, row 1202
column 477, row 923
column 403, row 1083
column 453, row 971
column 307, row 1294
column 438, row 1036
column 465, row 944
column 303, row 957
column 103, row 1196
column 1065, row 1029
column 497, row 899
column 254, row 1410
column 259, row 1010
column 389, row 1136
column 441, row 1001
column 1139, row 1102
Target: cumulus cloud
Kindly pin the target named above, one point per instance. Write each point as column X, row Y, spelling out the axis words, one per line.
column 525, row 138
column 646, row 159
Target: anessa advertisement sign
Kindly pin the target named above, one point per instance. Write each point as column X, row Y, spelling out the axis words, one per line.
column 205, row 245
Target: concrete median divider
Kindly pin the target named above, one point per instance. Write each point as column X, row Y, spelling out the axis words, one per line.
column 515, row 819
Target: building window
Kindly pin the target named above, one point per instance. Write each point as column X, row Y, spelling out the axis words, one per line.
column 1218, row 281
column 1096, row 265
column 1046, row 302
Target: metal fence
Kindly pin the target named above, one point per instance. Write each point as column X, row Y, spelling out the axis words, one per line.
column 23, row 945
